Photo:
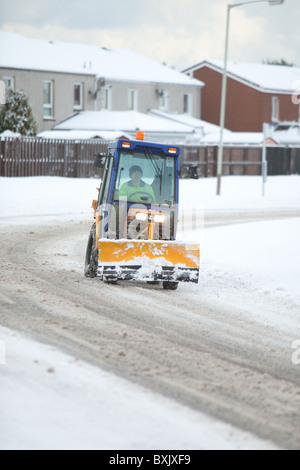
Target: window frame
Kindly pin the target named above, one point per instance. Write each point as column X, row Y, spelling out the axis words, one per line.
column 187, row 103
column 79, row 106
column 132, row 99
column 50, row 105
column 275, row 109
column 164, row 100
column 138, row 158
column 8, row 86
column 106, row 98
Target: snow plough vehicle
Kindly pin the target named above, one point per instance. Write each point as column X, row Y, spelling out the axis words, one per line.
column 136, row 217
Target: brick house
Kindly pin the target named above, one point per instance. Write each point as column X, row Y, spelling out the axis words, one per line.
column 256, row 94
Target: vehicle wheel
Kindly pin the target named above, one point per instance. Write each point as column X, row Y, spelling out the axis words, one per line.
column 91, row 257
column 170, row 285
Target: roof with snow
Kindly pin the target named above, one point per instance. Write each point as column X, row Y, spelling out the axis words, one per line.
column 20, row 52
column 234, row 138
column 267, row 78
column 160, row 126
column 127, row 121
column 198, row 124
column 83, row 135
column 110, row 125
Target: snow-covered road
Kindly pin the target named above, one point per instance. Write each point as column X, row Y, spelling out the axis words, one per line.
column 223, row 348
column 54, row 401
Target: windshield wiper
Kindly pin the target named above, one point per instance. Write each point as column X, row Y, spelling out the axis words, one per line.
column 158, row 171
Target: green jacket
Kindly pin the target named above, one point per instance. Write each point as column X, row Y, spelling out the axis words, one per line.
column 128, row 191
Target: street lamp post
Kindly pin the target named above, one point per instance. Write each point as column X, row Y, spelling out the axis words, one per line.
column 224, row 84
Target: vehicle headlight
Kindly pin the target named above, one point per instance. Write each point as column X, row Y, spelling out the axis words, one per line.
column 141, row 216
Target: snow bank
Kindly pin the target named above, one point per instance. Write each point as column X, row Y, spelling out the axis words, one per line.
column 46, row 196
column 281, row 192
column 255, row 267
column 51, row 401
column 53, row 196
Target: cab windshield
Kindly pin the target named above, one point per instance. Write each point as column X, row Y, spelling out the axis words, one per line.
column 146, row 178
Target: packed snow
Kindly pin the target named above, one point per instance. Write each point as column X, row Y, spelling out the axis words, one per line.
column 256, row 260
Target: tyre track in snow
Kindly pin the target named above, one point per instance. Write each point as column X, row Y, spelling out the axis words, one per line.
column 178, row 344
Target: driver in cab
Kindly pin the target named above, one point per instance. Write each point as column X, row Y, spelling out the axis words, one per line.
column 136, row 190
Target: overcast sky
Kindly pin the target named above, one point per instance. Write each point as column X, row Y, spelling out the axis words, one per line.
column 180, row 33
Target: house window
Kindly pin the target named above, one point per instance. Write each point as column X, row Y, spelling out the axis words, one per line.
column 132, row 100
column 187, row 104
column 275, row 109
column 77, row 96
column 9, row 83
column 164, row 100
column 48, row 99
column 106, row 98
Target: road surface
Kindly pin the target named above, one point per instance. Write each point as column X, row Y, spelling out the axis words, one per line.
column 181, row 344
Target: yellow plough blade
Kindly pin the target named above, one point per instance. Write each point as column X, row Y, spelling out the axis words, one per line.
column 148, row 260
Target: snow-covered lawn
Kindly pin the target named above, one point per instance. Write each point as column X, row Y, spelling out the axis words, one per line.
column 242, row 193
column 48, row 400
column 48, row 196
